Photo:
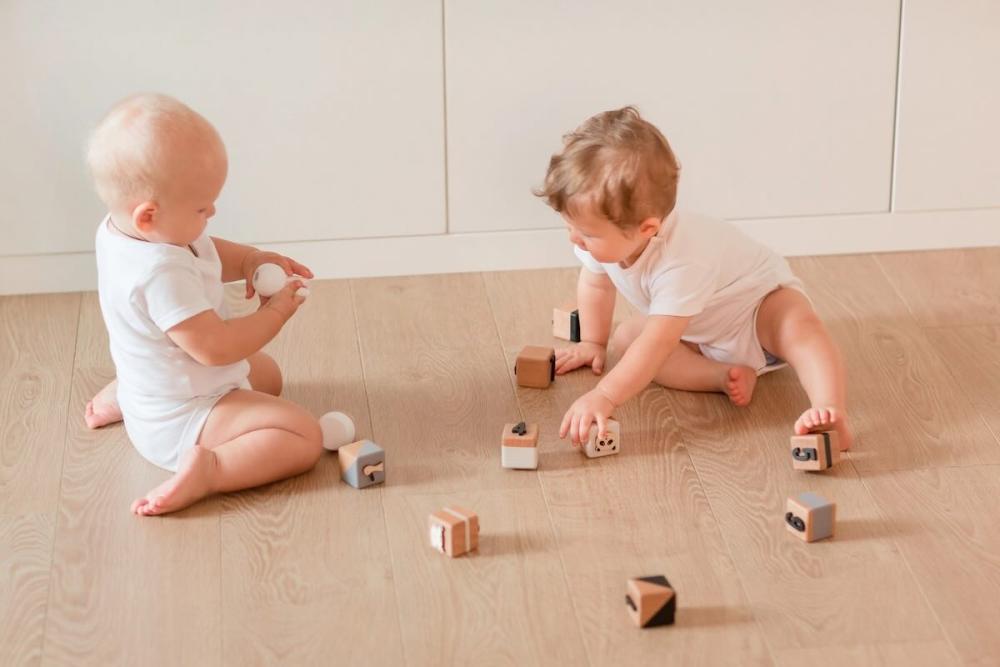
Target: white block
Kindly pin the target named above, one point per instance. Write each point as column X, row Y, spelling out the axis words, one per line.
column 606, row 446
column 519, row 458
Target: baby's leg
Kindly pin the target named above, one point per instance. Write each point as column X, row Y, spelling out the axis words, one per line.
column 265, row 375
column 789, row 328
column 250, row 438
column 687, row 369
column 103, row 408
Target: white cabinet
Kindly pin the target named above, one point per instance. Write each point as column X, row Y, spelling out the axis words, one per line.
column 948, row 137
column 332, row 111
column 775, row 108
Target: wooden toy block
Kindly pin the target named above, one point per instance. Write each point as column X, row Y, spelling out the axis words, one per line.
column 535, row 367
column 651, row 601
column 606, row 446
column 810, row 516
column 454, row 530
column 519, row 446
column 566, row 323
column 815, row 451
column 362, row 464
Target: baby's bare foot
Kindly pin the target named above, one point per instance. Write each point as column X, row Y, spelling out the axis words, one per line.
column 826, row 419
column 103, row 408
column 739, row 384
column 191, row 483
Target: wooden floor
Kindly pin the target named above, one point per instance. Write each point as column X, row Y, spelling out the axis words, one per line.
column 311, row 571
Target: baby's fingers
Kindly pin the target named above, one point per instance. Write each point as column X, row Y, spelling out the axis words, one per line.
column 300, row 269
column 564, row 365
column 564, row 426
column 597, row 364
column 586, row 419
column 574, row 429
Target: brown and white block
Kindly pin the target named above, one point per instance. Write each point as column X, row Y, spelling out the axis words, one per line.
column 454, row 530
column 519, row 446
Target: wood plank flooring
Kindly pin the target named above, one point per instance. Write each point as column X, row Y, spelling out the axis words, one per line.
column 311, row 571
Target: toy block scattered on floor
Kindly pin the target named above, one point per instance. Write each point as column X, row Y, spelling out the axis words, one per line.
column 810, row 516
column 651, row 601
column 519, row 446
column 535, row 367
column 815, row 451
column 566, row 323
column 362, row 464
column 454, row 530
column 606, row 446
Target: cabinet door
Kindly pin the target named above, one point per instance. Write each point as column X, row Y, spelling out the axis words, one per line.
column 332, row 111
column 948, row 137
column 775, row 107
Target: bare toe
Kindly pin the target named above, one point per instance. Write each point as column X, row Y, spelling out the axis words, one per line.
column 826, row 419
column 191, row 483
column 739, row 384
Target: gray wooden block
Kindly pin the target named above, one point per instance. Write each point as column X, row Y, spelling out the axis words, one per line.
column 362, row 464
column 810, row 516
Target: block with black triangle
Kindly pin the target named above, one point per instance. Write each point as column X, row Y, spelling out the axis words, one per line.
column 651, row 601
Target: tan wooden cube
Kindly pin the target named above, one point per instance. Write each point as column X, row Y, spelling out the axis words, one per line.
column 535, row 367
column 815, row 451
column 454, row 530
column 810, row 516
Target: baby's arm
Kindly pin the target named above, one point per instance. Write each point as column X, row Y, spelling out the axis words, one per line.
column 595, row 297
column 213, row 341
column 645, row 356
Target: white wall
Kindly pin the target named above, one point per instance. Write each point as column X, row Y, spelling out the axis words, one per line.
column 769, row 111
column 403, row 136
column 332, row 112
column 949, row 110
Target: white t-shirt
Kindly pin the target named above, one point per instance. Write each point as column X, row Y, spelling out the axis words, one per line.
column 700, row 268
column 145, row 289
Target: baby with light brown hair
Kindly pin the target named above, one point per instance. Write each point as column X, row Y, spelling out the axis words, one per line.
column 197, row 395
column 717, row 309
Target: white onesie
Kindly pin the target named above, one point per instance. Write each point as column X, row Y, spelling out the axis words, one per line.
column 710, row 271
column 145, row 289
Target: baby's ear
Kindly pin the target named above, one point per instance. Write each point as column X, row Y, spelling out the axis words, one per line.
column 144, row 215
column 650, row 227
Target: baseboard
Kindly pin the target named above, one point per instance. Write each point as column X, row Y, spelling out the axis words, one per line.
column 527, row 249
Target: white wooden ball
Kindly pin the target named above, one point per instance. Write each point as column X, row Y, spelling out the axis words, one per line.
column 338, row 430
column 268, row 279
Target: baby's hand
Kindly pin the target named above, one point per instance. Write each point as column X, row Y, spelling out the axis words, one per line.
column 258, row 257
column 581, row 354
column 286, row 301
column 590, row 408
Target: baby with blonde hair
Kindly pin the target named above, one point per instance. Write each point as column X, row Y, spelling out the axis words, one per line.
column 716, row 308
column 197, row 395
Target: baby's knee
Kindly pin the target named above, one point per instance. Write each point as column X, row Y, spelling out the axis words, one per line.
column 803, row 323
column 312, row 437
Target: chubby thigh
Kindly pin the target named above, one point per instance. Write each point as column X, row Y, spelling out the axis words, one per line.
column 244, row 411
